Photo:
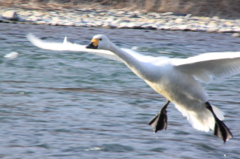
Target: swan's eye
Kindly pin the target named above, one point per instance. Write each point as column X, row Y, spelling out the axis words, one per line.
column 100, row 39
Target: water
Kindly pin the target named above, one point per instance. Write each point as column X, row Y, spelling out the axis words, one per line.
column 77, row 105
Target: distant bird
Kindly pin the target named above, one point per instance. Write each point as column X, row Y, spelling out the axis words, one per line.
column 175, row 79
column 11, row 55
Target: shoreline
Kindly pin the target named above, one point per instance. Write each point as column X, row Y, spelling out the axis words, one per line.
column 122, row 19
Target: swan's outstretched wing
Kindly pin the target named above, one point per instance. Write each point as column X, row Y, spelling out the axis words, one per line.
column 207, row 66
column 68, row 46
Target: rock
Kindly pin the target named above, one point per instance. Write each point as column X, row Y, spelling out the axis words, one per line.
column 69, row 23
column 40, row 22
column 182, row 27
column 164, row 27
column 133, row 16
column 212, row 24
column 109, row 26
column 215, row 18
column 122, row 25
column 225, row 30
column 110, row 19
column 212, row 30
column 188, row 16
column 149, row 26
column 54, row 23
column 134, row 25
column 34, row 18
column 99, row 23
column 203, row 29
column 167, row 13
column 193, row 28
column 80, row 24
column 236, row 29
column 102, row 14
column 85, row 16
column 179, row 20
column 11, row 15
column 229, row 23
column 122, row 19
column 237, row 35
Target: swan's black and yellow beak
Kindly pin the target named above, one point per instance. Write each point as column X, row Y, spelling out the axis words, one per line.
column 93, row 44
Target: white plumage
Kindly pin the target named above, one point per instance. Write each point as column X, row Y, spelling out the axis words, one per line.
column 11, row 55
column 175, row 79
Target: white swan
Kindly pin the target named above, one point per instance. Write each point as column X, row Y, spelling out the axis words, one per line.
column 175, row 79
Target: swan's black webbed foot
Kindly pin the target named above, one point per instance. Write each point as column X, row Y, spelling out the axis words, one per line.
column 159, row 122
column 220, row 129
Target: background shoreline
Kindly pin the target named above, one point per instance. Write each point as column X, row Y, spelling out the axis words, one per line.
column 119, row 18
column 225, row 8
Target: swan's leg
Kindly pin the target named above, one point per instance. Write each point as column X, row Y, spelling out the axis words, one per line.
column 220, row 129
column 159, row 122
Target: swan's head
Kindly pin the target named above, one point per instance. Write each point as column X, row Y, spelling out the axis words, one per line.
column 99, row 42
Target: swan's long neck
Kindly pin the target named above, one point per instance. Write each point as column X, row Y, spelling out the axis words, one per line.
column 138, row 67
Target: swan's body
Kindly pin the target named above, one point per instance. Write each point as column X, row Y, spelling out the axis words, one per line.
column 175, row 79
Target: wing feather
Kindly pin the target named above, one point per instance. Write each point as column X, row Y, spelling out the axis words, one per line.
column 206, row 67
column 68, row 46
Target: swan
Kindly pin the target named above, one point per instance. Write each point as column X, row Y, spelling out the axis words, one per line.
column 178, row 80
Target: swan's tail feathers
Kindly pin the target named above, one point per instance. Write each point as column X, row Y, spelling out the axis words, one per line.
column 206, row 119
column 201, row 119
column 159, row 122
column 220, row 129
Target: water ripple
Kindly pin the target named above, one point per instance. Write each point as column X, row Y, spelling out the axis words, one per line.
column 76, row 105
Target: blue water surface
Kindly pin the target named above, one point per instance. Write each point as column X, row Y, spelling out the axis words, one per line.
column 78, row 105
